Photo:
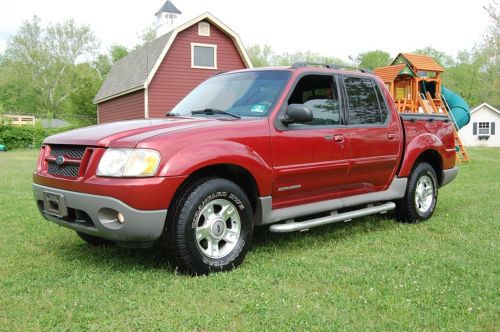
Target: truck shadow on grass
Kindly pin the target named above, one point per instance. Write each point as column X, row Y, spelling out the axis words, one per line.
column 124, row 260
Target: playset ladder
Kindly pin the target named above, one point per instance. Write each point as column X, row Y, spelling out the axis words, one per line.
column 430, row 107
column 462, row 155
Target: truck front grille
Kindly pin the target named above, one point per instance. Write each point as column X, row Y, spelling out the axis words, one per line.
column 65, row 170
column 73, row 156
column 72, row 151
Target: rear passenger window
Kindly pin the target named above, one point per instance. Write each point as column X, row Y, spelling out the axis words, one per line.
column 319, row 94
column 364, row 107
column 384, row 112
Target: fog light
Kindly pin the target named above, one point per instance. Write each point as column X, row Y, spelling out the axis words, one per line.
column 120, row 218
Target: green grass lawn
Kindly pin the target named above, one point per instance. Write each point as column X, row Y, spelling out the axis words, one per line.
column 369, row 274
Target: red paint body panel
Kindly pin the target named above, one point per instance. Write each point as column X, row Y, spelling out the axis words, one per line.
column 221, row 142
column 307, row 158
column 422, row 136
column 175, row 78
column 126, row 107
column 365, row 161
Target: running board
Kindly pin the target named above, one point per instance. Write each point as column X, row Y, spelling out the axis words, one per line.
column 303, row 225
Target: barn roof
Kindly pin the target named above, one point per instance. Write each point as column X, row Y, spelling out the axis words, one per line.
column 419, row 62
column 137, row 69
column 168, row 7
column 129, row 73
column 389, row 73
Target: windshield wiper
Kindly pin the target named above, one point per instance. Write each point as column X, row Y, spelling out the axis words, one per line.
column 212, row 111
column 172, row 114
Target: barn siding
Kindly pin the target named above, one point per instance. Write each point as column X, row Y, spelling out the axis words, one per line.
column 126, row 107
column 175, row 78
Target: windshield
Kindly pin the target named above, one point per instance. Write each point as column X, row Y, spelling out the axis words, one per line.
column 251, row 93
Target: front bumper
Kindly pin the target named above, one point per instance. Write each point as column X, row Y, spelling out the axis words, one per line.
column 448, row 175
column 97, row 215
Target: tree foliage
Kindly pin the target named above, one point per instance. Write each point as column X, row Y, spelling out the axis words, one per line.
column 39, row 66
column 104, row 62
column 262, row 56
column 442, row 58
column 373, row 59
column 475, row 74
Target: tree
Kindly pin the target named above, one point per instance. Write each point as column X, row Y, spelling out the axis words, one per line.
column 464, row 77
column 260, row 56
column 43, row 60
column 373, row 59
column 492, row 38
column 442, row 58
column 490, row 72
column 117, row 52
column 104, row 62
column 147, row 35
column 288, row 59
column 82, row 111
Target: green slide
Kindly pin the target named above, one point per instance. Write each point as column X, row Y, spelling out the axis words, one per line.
column 457, row 107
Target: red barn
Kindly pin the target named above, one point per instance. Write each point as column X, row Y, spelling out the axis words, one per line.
column 151, row 80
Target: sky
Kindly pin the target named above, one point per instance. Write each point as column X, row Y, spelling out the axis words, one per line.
column 329, row 27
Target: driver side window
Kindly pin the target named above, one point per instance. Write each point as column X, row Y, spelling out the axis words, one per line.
column 319, row 94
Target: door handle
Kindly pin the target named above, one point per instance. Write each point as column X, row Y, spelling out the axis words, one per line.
column 338, row 138
column 391, row 136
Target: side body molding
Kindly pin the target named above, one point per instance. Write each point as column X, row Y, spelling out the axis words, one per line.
column 266, row 215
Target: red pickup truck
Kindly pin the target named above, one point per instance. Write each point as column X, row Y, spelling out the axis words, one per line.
column 291, row 148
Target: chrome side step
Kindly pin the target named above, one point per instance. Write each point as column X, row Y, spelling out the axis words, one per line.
column 303, row 225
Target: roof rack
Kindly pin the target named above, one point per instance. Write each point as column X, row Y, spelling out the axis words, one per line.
column 303, row 64
column 297, row 65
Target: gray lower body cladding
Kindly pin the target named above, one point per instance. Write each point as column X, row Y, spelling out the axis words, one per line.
column 268, row 216
column 448, row 175
column 97, row 215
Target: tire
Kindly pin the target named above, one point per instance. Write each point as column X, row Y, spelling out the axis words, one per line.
column 209, row 228
column 94, row 240
column 421, row 195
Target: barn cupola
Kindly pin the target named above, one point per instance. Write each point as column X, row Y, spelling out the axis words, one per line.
column 166, row 17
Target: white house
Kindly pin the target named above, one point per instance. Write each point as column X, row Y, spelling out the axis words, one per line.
column 481, row 129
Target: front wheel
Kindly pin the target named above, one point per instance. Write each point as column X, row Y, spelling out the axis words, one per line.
column 421, row 195
column 210, row 227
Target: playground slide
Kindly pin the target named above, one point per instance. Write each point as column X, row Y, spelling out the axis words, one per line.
column 457, row 107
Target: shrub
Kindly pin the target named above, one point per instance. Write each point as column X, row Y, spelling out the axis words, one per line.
column 26, row 137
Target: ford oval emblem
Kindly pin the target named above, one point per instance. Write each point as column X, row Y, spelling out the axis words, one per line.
column 60, row 160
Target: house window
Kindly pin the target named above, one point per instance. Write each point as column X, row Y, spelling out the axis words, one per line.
column 483, row 129
column 203, row 56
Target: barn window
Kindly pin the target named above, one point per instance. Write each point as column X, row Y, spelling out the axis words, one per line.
column 203, row 56
column 204, row 29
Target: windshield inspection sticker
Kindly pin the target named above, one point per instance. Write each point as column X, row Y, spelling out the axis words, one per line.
column 258, row 108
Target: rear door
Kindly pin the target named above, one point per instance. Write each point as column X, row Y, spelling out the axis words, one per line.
column 373, row 135
column 310, row 159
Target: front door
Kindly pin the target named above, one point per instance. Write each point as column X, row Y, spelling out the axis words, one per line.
column 310, row 159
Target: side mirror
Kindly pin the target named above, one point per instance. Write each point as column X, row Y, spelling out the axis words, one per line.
column 297, row 113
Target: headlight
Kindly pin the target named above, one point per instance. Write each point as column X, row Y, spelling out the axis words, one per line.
column 129, row 163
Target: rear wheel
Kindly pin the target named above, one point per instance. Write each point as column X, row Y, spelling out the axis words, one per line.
column 94, row 240
column 210, row 227
column 421, row 195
